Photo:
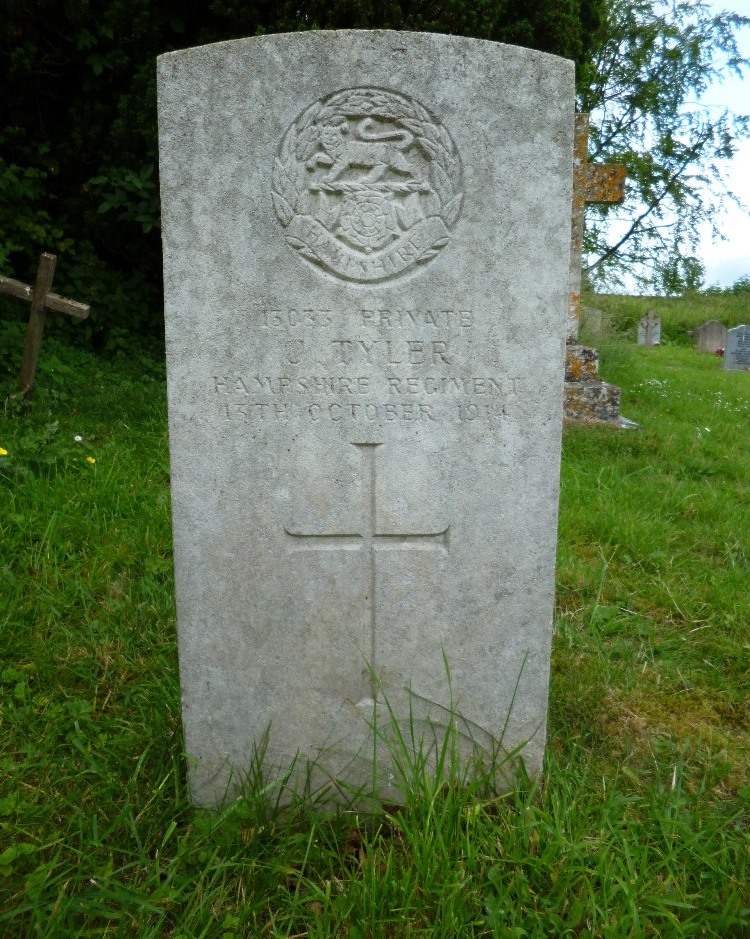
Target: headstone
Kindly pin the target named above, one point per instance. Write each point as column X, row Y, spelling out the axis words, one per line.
column 737, row 349
column 710, row 337
column 649, row 330
column 366, row 243
column 595, row 322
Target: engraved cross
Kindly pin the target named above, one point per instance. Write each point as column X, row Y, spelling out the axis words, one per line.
column 369, row 540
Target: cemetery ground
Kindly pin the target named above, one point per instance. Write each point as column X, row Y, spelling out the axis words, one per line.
column 640, row 823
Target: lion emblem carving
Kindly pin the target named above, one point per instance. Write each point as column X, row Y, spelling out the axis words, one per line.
column 367, row 184
column 363, row 145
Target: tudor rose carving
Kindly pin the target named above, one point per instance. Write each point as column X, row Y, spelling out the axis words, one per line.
column 367, row 184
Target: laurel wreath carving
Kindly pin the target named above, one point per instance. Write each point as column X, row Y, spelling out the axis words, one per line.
column 303, row 138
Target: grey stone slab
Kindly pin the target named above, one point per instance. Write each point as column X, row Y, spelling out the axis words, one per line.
column 710, row 337
column 366, row 245
column 737, row 349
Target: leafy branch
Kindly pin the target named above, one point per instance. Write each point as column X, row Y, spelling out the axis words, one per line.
column 649, row 68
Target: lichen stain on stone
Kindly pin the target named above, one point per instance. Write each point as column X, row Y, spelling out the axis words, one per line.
column 592, row 401
column 581, row 364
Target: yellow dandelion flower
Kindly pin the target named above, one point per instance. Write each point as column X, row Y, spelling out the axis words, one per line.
column 90, row 459
column 3, row 452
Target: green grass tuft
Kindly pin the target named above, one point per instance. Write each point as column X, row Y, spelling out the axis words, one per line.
column 639, row 826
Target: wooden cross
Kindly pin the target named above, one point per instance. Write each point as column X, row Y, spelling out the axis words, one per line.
column 592, row 183
column 369, row 540
column 41, row 301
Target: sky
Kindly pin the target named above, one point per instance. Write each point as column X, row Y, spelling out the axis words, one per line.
column 727, row 261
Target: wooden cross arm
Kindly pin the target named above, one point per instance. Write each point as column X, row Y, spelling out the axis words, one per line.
column 15, row 288
column 71, row 307
column 52, row 301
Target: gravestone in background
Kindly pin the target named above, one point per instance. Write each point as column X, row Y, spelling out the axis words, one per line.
column 737, row 349
column 649, row 330
column 710, row 337
column 366, row 244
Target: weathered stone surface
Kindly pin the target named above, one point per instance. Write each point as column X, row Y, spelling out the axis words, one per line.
column 710, row 337
column 366, row 246
column 737, row 349
column 593, row 402
column 581, row 364
column 588, row 399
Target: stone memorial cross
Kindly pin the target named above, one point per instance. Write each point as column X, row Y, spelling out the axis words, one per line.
column 649, row 330
column 592, row 183
column 41, row 300
column 365, row 253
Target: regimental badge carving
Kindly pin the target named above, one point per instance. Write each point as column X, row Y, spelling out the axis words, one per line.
column 367, row 184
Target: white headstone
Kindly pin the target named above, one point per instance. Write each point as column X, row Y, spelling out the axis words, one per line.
column 737, row 349
column 366, row 241
column 649, row 330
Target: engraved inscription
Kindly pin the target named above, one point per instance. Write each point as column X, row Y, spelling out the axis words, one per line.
column 395, row 319
column 363, row 399
column 367, row 184
column 368, row 366
column 369, row 540
column 383, row 319
column 348, row 385
column 390, row 352
column 737, row 354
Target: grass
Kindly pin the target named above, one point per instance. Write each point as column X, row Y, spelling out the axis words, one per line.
column 621, row 313
column 639, row 825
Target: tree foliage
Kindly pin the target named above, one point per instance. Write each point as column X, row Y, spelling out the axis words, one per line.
column 651, row 63
column 78, row 135
column 78, row 138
